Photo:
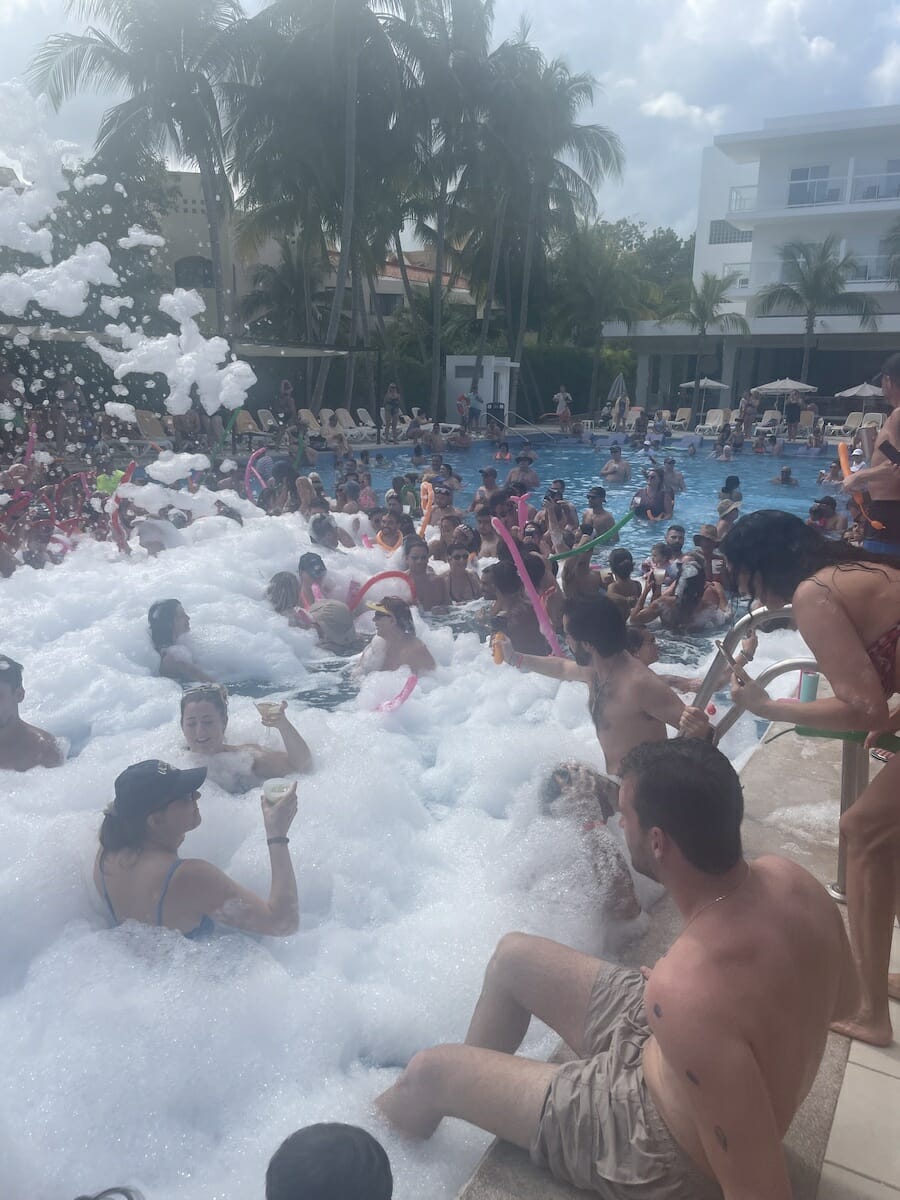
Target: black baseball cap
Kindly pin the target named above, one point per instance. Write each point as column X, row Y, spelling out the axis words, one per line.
column 598, row 491
column 487, row 470
column 828, row 501
column 523, row 458
column 890, row 367
column 311, row 564
column 150, row 786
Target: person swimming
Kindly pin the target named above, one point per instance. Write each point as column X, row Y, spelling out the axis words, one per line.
column 204, row 719
column 168, row 623
column 22, row 746
column 395, row 643
column 141, row 877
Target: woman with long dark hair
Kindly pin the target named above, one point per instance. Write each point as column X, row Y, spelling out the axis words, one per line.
column 167, row 623
column 846, row 604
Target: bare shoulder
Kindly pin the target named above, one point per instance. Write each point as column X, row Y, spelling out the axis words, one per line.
column 47, row 747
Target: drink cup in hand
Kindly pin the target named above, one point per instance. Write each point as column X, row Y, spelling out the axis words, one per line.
column 279, row 813
column 269, row 712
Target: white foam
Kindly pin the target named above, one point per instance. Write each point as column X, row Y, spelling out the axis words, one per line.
column 169, row 467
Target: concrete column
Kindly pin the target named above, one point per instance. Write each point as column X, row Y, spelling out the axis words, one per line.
column 729, row 355
column 665, row 375
column 643, row 379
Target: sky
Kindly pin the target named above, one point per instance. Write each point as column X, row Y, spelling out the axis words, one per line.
column 672, row 73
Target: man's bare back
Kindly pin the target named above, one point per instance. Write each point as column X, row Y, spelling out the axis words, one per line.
column 630, row 706
column 748, row 990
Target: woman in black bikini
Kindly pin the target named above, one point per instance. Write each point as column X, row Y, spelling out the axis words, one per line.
column 463, row 585
column 846, row 604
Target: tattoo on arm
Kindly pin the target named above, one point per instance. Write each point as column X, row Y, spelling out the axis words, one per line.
column 721, row 1138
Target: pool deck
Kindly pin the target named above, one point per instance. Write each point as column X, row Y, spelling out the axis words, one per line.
column 844, row 1143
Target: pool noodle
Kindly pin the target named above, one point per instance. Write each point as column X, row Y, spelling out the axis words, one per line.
column 427, row 494
column 115, row 520
column 522, row 509
column 402, row 696
column 844, row 460
column 251, row 470
column 358, row 598
column 539, row 611
column 597, row 541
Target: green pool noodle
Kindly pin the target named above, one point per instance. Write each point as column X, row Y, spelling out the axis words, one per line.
column 597, row 541
column 887, row 741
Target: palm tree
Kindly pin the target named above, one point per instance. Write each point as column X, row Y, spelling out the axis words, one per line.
column 704, row 311
column 595, row 283
column 284, row 295
column 814, row 281
column 891, row 244
column 549, row 139
column 173, row 59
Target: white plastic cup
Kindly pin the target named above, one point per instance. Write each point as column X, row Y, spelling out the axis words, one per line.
column 659, row 574
column 266, row 708
column 276, row 789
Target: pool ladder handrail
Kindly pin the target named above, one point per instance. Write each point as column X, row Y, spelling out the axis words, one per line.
column 520, row 420
column 854, row 756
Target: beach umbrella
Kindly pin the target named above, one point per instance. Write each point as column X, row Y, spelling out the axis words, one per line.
column 706, row 385
column 783, row 388
column 618, row 390
column 862, row 391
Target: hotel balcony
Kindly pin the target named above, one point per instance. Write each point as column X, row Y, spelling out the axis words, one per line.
column 837, row 193
column 869, row 269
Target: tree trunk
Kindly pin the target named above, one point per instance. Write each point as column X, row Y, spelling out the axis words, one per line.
column 370, row 366
column 695, row 396
column 340, row 283
column 807, row 349
column 356, row 299
column 437, row 302
column 507, row 270
column 595, row 372
column 208, row 186
column 408, row 292
column 491, row 288
column 379, row 319
column 530, row 235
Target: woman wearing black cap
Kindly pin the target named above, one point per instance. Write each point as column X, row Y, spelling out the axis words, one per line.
column 141, row 878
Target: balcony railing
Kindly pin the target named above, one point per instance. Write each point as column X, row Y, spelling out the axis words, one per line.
column 807, row 192
column 869, row 268
column 741, row 271
column 867, row 188
column 812, row 193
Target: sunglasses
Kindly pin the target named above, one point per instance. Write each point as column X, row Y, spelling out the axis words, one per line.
column 464, row 556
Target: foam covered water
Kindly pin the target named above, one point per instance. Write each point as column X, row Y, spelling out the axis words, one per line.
column 134, row 1055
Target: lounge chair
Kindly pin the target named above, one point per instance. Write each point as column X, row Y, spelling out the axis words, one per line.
column 872, row 421
column 681, row 419
column 362, row 415
column 853, row 422
column 715, row 419
column 308, row 418
column 771, row 422
column 807, row 421
column 356, row 433
column 245, row 426
column 153, row 432
column 631, row 419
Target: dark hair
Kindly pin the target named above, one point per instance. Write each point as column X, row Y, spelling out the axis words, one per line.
column 499, row 500
column 318, row 527
column 505, row 577
column 783, row 550
column 635, row 636
column 482, row 510
column 12, row 672
column 161, row 620
column 677, row 528
column 662, row 550
column 534, row 565
column 689, row 790
column 406, row 524
column 329, row 1162
column 598, row 621
column 319, row 501
column 731, row 482
column 401, row 612
column 414, row 542
column 621, row 562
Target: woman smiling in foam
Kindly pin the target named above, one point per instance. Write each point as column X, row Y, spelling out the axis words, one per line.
column 204, row 719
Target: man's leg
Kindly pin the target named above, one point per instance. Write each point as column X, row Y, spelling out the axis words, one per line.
column 533, row 975
column 872, row 830
column 497, row 1092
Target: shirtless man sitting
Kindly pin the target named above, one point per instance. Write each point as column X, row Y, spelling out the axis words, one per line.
column 629, row 704
column 22, row 746
column 686, row 1077
column 395, row 637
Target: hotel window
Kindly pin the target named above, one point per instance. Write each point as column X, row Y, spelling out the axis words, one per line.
column 723, row 233
column 808, row 185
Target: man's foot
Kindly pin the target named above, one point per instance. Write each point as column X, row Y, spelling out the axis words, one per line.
column 894, row 986
column 405, row 1111
column 865, row 1029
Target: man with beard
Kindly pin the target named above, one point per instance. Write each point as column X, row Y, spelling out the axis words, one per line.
column 628, row 703
column 22, row 746
column 685, row 1078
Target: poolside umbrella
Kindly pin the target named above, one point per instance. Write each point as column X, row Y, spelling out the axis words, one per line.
column 783, row 388
column 618, row 390
column 862, row 391
column 705, row 385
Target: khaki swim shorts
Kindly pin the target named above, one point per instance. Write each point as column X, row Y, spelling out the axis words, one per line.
column 599, row 1128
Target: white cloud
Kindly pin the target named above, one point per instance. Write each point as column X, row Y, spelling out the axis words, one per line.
column 821, row 48
column 884, row 80
column 672, row 106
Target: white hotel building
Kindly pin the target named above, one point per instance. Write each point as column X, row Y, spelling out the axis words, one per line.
column 796, row 179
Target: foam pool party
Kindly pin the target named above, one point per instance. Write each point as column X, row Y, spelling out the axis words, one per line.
column 134, row 1055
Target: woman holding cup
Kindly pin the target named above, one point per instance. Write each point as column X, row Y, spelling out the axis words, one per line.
column 141, row 877
column 204, row 719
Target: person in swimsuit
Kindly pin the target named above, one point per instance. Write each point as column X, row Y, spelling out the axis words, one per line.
column 168, row 622
column 22, row 746
column 846, row 604
column 490, row 540
column 430, row 590
column 395, row 643
column 685, row 1078
column 882, row 478
column 654, row 502
column 204, row 718
column 462, row 585
column 141, row 878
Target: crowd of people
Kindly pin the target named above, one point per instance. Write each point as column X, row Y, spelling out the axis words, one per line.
column 695, row 1069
